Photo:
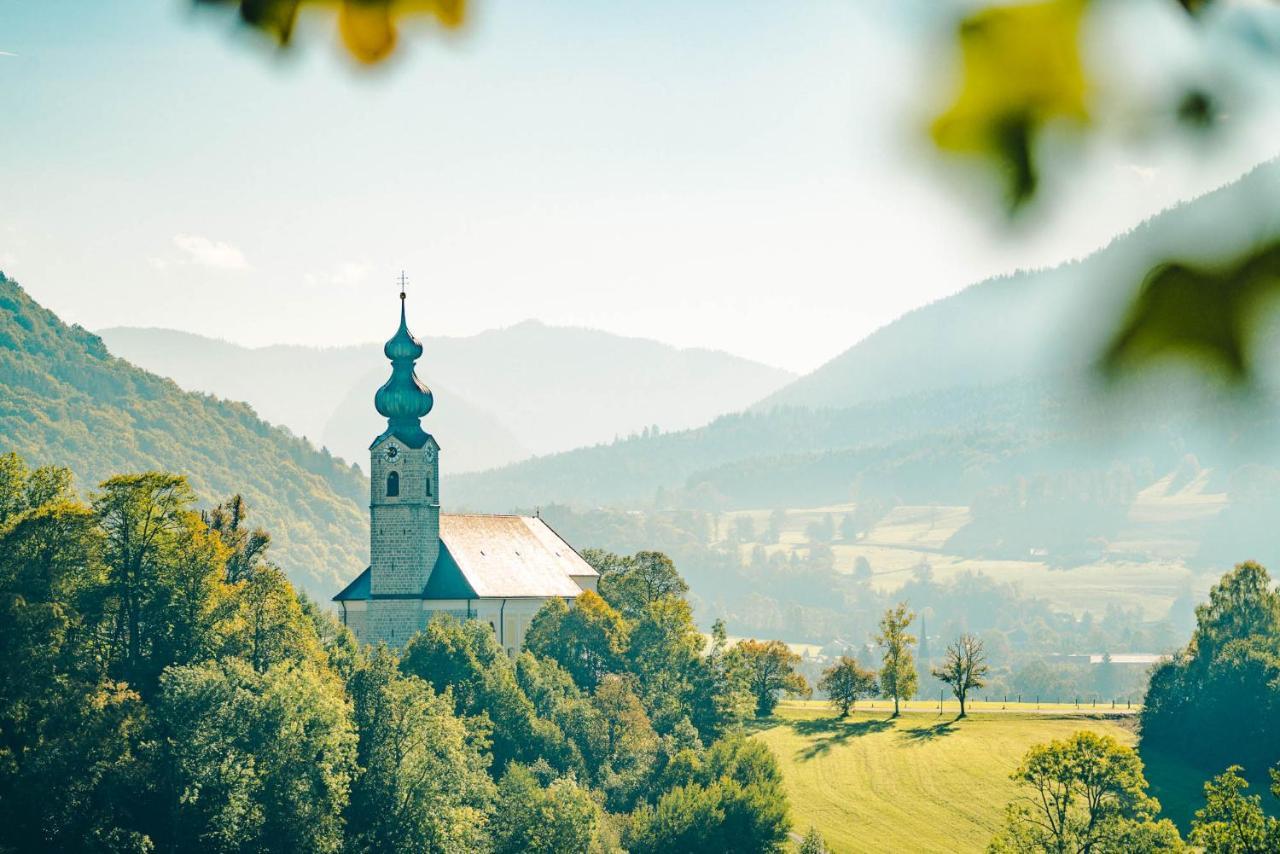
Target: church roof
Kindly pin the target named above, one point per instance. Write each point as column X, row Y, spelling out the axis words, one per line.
column 495, row 557
column 512, row 556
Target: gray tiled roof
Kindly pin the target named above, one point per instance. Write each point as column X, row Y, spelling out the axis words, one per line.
column 500, row 557
column 512, row 556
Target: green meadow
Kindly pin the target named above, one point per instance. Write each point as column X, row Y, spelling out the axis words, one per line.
column 924, row 782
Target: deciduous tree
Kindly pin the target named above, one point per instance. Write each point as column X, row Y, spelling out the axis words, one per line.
column 1231, row 822
column 898, row 676
column 845, row 681
column 964, row 667
column 1085, row 795
column 769, row 668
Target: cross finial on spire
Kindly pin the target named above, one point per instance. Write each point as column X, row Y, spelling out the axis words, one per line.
column 404, row 280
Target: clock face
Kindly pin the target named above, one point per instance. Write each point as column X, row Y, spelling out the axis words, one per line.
column 392, row 453
column 431, row 453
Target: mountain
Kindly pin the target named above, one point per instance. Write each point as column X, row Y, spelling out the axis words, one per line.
column 1044, row 322
column 470, row 438
column 954, row 399
column 65, row 399
column 501, row 395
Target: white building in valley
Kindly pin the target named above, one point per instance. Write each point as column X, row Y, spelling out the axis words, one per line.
column 497, row 569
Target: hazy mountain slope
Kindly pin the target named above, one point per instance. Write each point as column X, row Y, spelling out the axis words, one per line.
column 297, row 387
column 558, row 388
column 1033, row 323
column 1005, row 363
column 470, row 439
column 530, row 388
column 65, row 399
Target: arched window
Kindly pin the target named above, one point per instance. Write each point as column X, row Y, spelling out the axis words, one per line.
column 428, row 486
column 393, row 484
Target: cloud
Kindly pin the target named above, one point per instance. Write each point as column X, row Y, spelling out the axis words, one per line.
column 210, row 253
column 7, row 53
column 1146, row 173
column 347, row 275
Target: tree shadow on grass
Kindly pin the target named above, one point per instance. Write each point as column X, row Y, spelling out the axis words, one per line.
column 922, row 734
column 833, row 731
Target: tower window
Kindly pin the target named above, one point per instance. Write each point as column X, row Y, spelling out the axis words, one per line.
column 393, row 484
column 428, row 486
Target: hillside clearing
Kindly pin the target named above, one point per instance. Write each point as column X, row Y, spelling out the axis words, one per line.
column 922, row 783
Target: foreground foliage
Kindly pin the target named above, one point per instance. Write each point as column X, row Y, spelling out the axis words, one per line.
column 1086, row 793
column 162, row 687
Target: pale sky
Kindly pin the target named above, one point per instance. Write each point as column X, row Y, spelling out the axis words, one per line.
column 737, row 174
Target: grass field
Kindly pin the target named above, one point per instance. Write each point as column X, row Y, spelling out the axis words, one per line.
column 921, row 783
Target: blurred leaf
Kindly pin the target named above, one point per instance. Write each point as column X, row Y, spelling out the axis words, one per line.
column 274, row 17
column 367, row 30
column 1196, row 109
column 367, row 27
column 1201, row 313
column 1195, row 7
column 1021, row 70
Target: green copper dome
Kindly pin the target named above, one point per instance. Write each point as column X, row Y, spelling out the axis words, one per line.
column 403, row 399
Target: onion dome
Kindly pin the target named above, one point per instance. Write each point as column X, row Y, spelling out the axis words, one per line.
column 404, row 399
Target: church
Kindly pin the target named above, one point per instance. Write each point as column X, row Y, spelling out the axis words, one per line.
column 496, row 569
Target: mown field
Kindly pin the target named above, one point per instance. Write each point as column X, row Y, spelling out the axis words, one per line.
column 922, row 783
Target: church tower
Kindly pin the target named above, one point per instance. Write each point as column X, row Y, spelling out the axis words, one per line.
column 404, row 496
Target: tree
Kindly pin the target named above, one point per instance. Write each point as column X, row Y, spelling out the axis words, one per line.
column 1085, row 794
column 267, row 625
column 157, row 553
column 1241, row 605
column 1217, row 702
column 845, row 681
column 729, row 800
column 1231, row 822
column 529, row 817
column 722, row 698
column 623, row 756
column 769, row 668
column 247, row 548
column 421, row 784
column 588, row 639
column 964, row 667
column 465, row 659
column 813, row 843
column 898, row 676
column 631, row 584
column 664, row 654
column 253, row 760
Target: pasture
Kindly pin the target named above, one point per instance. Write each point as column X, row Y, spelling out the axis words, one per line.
column 922, row 783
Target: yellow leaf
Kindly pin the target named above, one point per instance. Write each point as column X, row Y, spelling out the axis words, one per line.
column 1021, row 69
column 367, row 30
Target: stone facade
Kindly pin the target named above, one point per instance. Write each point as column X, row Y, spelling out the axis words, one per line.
column 404, row 536
column 404, row 532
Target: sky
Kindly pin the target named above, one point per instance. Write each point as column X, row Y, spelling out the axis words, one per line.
column 744, row 175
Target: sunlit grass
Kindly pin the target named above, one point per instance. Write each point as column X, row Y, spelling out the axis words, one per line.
column 924, row 782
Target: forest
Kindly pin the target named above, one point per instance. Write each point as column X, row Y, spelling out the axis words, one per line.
column 163, row 687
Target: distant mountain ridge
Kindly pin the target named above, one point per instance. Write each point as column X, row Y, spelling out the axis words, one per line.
column 1037, row 323
column 1005, row 363
column 66, row 400
column 501, row 395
